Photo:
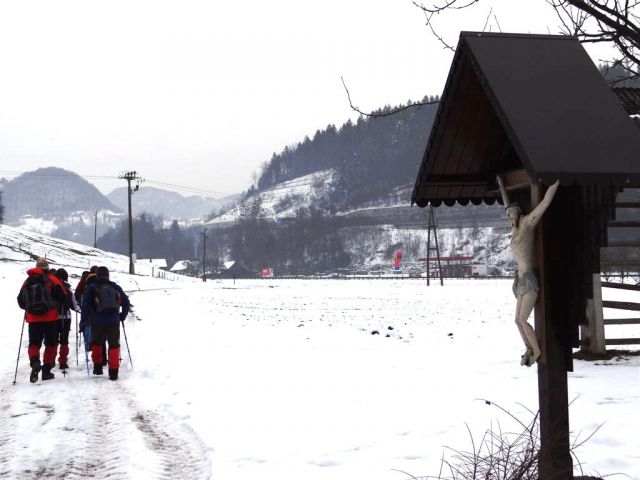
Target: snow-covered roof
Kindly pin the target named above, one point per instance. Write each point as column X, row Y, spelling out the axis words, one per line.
column 154, row 262
column 179, row 266
column 228, row 265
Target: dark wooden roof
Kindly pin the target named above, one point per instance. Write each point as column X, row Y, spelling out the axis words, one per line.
column 630, row 98
column 516, row 101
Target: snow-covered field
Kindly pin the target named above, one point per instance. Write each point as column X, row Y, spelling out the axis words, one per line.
column 285, row 380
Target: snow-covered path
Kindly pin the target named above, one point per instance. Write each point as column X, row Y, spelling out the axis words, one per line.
column 79, row 427
column 70, row 429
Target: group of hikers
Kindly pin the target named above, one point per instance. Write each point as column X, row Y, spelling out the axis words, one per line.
column 47, row 299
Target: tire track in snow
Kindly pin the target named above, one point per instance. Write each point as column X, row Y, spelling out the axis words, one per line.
column 104, row 451
column 7, row 437
column 89, row 431
column 182, row 455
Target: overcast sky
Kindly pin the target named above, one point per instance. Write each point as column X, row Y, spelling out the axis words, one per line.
column 200, row 93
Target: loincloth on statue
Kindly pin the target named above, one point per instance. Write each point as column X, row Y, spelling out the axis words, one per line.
column 525, row 283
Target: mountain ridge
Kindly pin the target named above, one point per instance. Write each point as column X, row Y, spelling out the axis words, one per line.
column 60, row 192
column 169, row 204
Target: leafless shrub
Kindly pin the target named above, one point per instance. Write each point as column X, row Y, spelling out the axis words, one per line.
column 500, row 454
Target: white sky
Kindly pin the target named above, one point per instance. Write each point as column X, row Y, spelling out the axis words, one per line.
column 200, row 93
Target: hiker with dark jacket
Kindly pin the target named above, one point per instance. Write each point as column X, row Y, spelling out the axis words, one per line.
column 85, row 323
column 77, row 293
column 39, row 296
column 64, row 318
column 102, row 301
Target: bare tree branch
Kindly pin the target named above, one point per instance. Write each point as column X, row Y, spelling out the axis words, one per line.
column 593, row 21
column 445, row 45
column 386, row 114
column 486, row 22
column 451, row 4
column 497, row 23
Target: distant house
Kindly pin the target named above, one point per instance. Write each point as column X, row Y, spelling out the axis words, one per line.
column 150, row 266
column 153, row 262
column 234, row 269
column 179, row 267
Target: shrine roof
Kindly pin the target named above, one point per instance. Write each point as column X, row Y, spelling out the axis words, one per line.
column 630, row 98
column 532, row 102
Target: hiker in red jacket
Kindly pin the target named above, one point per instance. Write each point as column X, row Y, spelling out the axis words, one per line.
column 40, row 296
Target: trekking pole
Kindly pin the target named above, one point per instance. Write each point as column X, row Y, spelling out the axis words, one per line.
column 19, row 346
column 86, row 352
column 86, row 357
column 77, row 361
column 127, row 344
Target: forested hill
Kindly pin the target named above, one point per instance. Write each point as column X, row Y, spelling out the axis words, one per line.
column 370, row 157
column 51, row 191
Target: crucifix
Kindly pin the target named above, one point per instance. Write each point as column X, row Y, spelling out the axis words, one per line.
column 525, row 285
column 531, row 248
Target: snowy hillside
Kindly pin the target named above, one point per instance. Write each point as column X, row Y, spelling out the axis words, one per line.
column 371, row 235
column 290, row 380
column 282, row 200
column 22, row 246
column 75, row 226
column 373, row 247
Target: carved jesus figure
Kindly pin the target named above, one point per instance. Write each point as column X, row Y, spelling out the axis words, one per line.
column 525, row 285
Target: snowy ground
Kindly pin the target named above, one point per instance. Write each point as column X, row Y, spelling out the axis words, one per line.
column 284, row 380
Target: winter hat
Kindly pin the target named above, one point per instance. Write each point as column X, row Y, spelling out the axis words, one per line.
column 42, row 263
column 62, row 274
column 102, row 272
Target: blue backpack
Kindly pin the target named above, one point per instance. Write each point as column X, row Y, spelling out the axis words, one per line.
column 106, row 299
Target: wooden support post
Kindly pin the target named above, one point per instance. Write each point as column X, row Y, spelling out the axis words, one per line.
column 593, row 333
column 555, row 455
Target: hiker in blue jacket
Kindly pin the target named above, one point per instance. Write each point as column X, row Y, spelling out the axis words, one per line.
column 102, row 302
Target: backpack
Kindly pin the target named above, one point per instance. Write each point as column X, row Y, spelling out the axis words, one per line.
column 106, row 298
column 36, row 295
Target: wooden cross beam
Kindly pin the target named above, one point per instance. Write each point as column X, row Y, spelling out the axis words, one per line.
column 516, row 179
column 555, row 456
column 513, row 180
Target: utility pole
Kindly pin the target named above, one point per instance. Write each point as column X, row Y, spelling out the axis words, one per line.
column 129, row 177
column 95, row 231
column 204, row 255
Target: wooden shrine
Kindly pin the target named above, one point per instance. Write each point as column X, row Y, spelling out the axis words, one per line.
column 534, row 108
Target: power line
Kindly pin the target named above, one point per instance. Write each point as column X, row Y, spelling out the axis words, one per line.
column 8, row 173
column 183, row 188
column 201, row 191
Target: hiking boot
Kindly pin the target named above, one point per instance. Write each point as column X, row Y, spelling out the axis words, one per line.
column 64, row 366
column 35, row 370
column 97, row 369
column 113, row 374
column 46, row 372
